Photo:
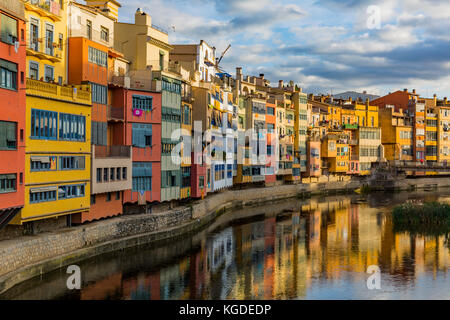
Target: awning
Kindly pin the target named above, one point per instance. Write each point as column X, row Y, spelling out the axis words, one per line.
column 43, row 189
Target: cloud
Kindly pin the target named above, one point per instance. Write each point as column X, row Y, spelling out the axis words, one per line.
column 320, row 44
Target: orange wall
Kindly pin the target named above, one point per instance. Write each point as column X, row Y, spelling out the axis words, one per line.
column 399, row 98
column 81, row 70
column 12, row 109
column 101, row 208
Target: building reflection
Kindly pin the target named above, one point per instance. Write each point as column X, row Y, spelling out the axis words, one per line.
column 284, row 257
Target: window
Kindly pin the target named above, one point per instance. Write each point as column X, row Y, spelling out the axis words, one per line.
column 8, row 29
column 49, row 39
column 99, row 133
column 8, row 135
column 34, row 34
column 117, row 195
column 49, row 73
column 43, row 163
column 105, row 174
column 271, row 111
column 171, row 86
column 7, row 183
column 142, row 135
column 8, row 75
column 72, row 127
column 108, row 196
column 112, row 175
column 60, row 41
column 201, row 181
column 44, row 124
column 71, row 191
column 42, row 194
column 142, row 102
column 97, row 57
column 124, row 173
column 92, row 198
column 270, row 128
column 99, row 174
column 432, row 135
column 118, row 174
column 72, row 163
column 99, row 93
column 142, row 176
column 34, row 70
column 186, row 114
column 185, row 177
column 104, row 34
column 89, row 29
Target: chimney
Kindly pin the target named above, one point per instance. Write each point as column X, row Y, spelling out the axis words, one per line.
column 414, row 91
column 445, row 100
column 239, row 75
column 405, row 90
column 364, row 92
column 435, row 99
column 367, row 102
column 280, row 84
column 238, row 84
column 350, row 99
column 261, row 75
column 142, row 19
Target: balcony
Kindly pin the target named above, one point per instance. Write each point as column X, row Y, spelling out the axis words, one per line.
column 52, row 54
column 101, row 152
column 45, row 8
column 350, row 126
column 111, row 169
column 115, row 114
column 76, row 94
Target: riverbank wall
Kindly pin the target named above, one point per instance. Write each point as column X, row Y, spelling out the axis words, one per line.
column 26, row 257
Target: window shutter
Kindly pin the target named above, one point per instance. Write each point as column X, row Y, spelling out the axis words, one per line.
column 11, row 132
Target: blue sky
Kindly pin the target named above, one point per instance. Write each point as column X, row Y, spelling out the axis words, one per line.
column 322, row 45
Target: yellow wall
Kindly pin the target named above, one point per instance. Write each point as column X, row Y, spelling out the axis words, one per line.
column 39, row 147
column 59, row 23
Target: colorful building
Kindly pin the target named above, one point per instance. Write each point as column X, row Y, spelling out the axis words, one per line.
column 12, row 114
column 46, row 40
column 57, row 152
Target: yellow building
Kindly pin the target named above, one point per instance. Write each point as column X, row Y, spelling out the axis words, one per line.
column 443, row 131
column 46, row 40
column 431, row 132
column 186, row 127
column 366, row 115
column 57, row 153
column 396, row 134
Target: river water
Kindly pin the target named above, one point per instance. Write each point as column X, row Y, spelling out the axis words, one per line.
column 318, row 248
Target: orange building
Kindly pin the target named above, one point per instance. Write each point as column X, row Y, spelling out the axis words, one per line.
column 271, row 161
column 12, row 109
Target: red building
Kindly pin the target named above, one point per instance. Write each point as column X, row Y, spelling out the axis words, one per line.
column 12, row 113
column 198, row 176
column 141, row 130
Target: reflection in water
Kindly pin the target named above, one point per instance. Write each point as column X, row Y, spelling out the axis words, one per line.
column 321, row 250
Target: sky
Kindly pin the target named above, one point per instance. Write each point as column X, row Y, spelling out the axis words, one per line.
column 326, row 46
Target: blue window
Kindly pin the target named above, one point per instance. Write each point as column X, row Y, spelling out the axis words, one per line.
column 71, row 191
column 72, row 163
column 99, row 93
column 43, row 163
column 270, row 150
column 142, row 176
column 229, row 171
column 98, row 57
column 44, row 124
column 142, row 102
column 171, row 86
column 72, row 127
column 142, row 135
column 42, row 195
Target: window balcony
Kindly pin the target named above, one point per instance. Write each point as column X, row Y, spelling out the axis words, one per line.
column 115, row 114
column 45, row 8
column 53, row 54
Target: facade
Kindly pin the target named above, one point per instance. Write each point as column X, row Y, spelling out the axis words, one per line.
column 396, row 134
column 57, row 152
column 186, row 151
column 46, row 40
column 12, row 114
column 147, row 48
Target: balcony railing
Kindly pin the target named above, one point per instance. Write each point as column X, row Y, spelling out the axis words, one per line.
column 50, row 8
column 115, row 113
column 39, row 49
column 77, row 94
column 112, row 152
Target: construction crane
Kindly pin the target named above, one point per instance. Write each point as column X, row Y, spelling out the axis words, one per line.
column 221, row 57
